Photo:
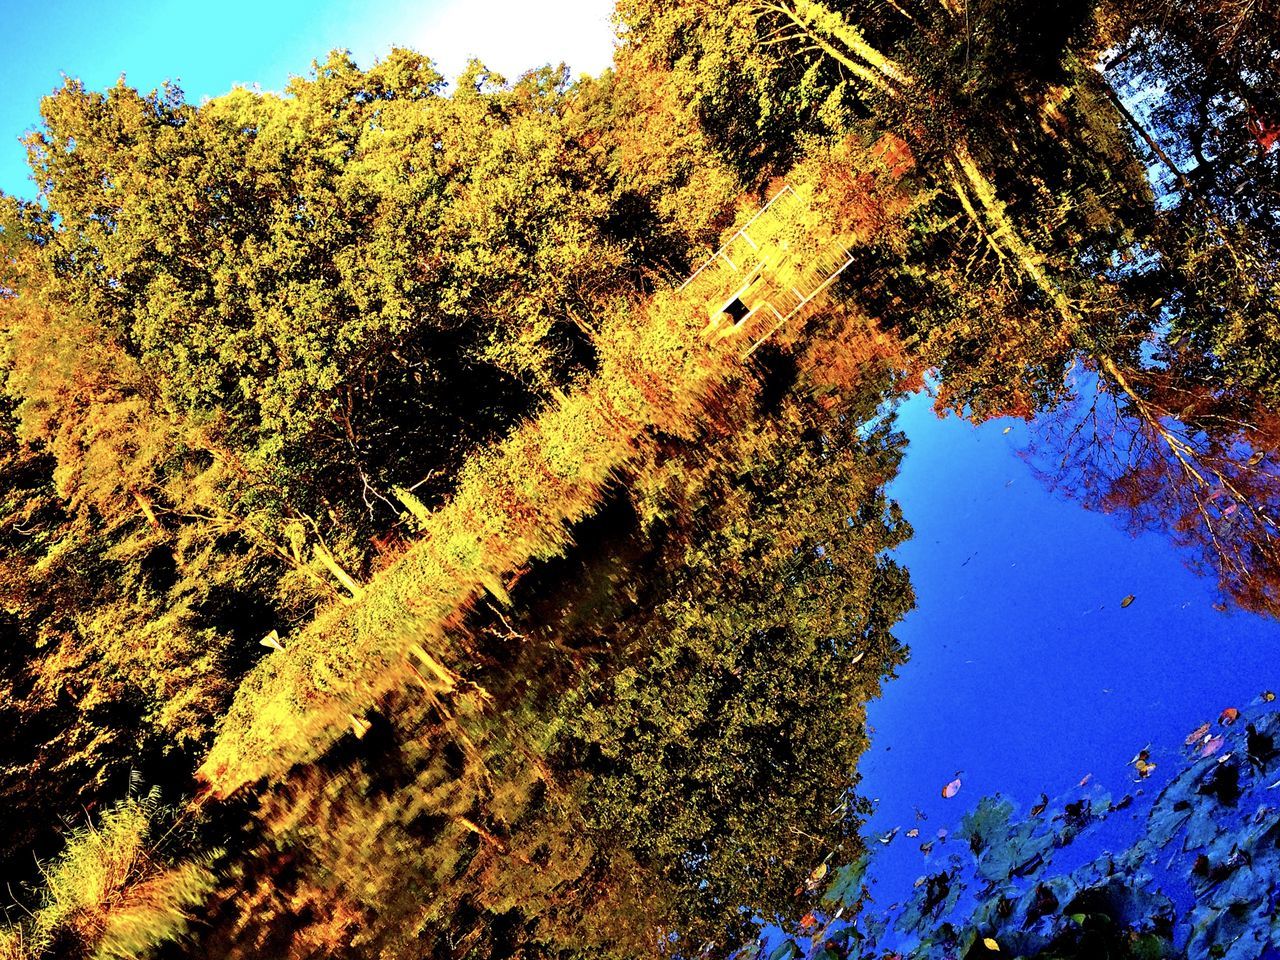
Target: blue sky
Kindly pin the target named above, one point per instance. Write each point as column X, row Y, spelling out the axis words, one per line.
column 1026, row 673
column 209, row 48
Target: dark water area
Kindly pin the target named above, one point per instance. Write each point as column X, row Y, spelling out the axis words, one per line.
column 1027, row 675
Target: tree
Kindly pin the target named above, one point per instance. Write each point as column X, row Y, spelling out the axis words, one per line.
column 1209, row 98
column 346, row 288
column 719, row 750
column 1162, row 449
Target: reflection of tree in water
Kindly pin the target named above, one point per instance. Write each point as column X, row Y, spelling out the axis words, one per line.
column 1172, row 426
column 1164, row 450
column 677, row 708
column 724, row 739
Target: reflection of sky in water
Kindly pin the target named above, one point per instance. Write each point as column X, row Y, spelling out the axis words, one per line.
column 1026, row 674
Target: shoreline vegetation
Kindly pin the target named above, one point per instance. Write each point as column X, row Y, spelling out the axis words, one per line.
column 659, row 369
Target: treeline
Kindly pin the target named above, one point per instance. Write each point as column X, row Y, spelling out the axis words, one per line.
column 235, row 330
column 341, row 363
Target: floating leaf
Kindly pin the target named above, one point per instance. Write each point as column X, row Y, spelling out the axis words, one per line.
column 1228, row 716
column 990, row 944
column 1085, row 779
column 1261, row 747
column 1040, row 807
column 951, row 789
column 1211, row 746
column 888, row 837
column 1268, row 696
column 1198, row 734
column 913, row 832
column 1127, row 600
column 942, row 835
column 846, row 883
column 1142, row 762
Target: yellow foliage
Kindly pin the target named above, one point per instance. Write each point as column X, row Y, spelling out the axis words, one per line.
column 109, row 892
column 515, row 502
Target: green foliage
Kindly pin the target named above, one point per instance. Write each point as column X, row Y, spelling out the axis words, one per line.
column 235, row 335
column 107, row 896
column 346, row 288
column 662, row 369
column 746, row 679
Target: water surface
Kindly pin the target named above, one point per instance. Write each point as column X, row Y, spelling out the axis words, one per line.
column 1027, row 674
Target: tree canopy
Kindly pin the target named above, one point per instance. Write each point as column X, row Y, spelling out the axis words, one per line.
column 471, row 499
